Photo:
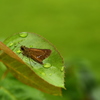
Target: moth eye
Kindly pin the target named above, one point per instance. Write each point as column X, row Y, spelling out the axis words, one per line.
column 22, row 48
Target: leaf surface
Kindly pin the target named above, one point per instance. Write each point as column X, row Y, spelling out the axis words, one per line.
column 48, row 77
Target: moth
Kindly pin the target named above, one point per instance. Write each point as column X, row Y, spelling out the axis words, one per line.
column 37, row 55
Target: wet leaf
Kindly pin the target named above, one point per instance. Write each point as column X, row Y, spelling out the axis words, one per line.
column 12, row 89
column 48, row 77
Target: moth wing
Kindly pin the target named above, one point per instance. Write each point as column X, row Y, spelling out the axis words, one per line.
column 39, row 54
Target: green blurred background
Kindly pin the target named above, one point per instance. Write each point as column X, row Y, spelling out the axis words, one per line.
column 73, row 26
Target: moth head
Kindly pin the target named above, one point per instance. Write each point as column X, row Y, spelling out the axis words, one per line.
column 22, row 48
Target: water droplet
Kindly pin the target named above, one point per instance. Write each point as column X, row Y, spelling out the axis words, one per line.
column 23, row 34
column 43, row 74
column 62, row 68
column 50, row 74
column 26, row 59
column 47, row 65
column 18, row 51
column 31, row 46
column 11, row 44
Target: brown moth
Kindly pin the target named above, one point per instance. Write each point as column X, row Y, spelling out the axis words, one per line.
column 37, row 55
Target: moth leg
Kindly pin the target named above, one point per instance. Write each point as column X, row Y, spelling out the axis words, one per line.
column 30, row 62
column 33, row 61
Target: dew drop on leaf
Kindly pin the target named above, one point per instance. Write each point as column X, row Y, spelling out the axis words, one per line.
column 26, row 59
column 31, row 46
column 11, row 44
column 62, row 68
column 23, row 34
column 43, row 74
column 47, row 65
column 50, row 74
column 18, row 51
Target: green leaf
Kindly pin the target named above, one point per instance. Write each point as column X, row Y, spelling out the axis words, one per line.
column 12, row 89
column 48, row 77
